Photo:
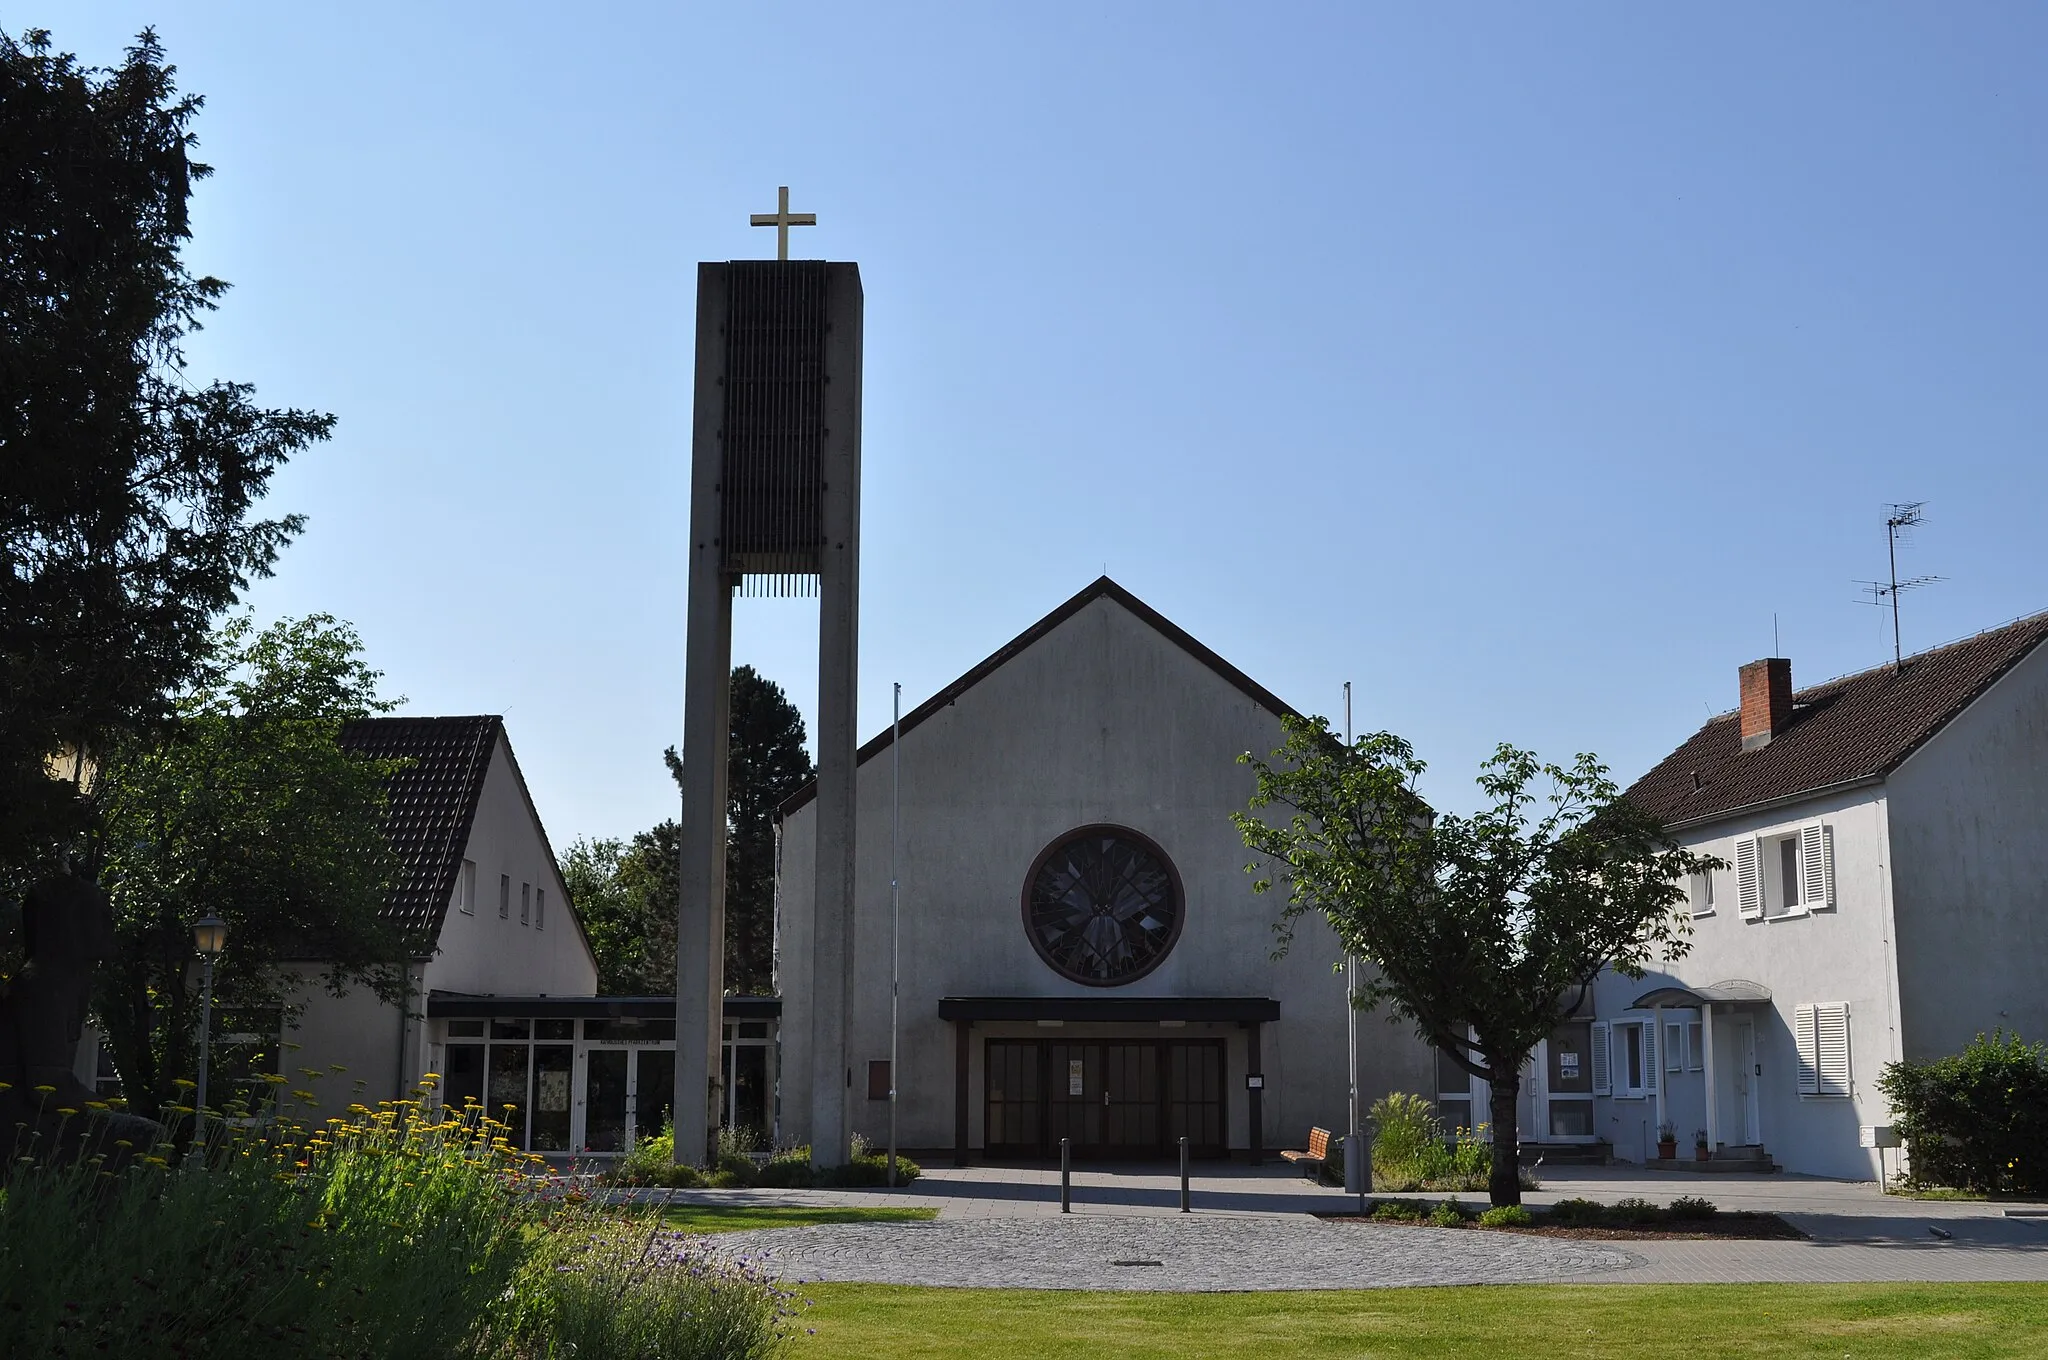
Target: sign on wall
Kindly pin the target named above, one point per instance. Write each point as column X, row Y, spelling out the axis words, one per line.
column 1074, row 1076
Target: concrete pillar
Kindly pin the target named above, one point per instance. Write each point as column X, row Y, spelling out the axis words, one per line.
column 832, row 941
column 707, row 729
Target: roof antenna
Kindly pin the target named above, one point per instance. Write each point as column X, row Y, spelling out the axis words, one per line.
column 1776, row 648
column 1899, row 516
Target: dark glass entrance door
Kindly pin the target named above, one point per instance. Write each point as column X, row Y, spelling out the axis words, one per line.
column 1109, row 1098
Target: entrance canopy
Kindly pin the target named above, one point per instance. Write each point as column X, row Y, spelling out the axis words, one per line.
column 1733, row 992
column 1130, row 1009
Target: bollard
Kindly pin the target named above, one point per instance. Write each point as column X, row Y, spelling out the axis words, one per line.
column 1184, row 1175
column 1066, row 1180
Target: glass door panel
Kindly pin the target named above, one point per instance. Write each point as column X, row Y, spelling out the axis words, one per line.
column 463, row 1081
column 750, row 1088
column 1194, row 1097
column 1075, row 1097
column 654, row 1090
column 1568, row 1072
column 507, row 1098
column 554, row 1068
column 604, row 1107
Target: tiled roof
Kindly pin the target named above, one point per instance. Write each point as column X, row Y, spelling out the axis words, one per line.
column 432, row 804
column 1098, row 588
column 1855, row 728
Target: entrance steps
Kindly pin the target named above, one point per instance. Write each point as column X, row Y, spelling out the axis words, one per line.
column 1567, row 1154
column 1728, row 1160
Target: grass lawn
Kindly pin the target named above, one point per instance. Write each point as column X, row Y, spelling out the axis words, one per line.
column 718, row 1218
column 1557, row 1322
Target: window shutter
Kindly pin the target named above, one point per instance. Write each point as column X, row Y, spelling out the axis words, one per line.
column 1749, row 878
column 1803, row 1030
column 1602, row 1082
column 1649, row 1056
column 1831, row 1042
column 1817, row 866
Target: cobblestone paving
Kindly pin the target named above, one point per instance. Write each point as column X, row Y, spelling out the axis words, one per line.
column 1194, row 1254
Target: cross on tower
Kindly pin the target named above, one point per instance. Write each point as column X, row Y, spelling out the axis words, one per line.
column 782, row 219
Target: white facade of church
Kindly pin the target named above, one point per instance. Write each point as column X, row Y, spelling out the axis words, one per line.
column 1101, row 746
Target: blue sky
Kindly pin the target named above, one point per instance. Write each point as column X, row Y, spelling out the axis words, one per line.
column 1518, row 364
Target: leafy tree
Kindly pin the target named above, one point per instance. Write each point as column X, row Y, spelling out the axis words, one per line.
column 625, row 893
column 125, row 489
column 628, row 894
column 1484, row 930
column 245, row 806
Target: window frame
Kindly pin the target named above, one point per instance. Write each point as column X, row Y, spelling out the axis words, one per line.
column 465, row 888
column 1648, row 1059
column 504, row 897
column 1764, row 892
column 525, row 904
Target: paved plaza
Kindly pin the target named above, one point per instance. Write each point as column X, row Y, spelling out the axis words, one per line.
column 1255, row 1228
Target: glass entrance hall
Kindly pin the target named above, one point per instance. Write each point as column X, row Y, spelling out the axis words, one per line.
column 591, row 1076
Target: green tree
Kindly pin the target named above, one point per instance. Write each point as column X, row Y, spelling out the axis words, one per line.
column 766, row 762
column 245, row 806
column 1483, row 931
column 628, row 893
column 125, row 488
column 625, row 893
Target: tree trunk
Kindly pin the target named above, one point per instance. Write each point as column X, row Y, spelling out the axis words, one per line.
column 1505, row 1184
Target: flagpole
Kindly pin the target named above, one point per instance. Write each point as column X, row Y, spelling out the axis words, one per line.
column 1353, row 1147
column 895, row 905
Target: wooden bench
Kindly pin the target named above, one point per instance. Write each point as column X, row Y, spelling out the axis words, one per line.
column 1312, row 1160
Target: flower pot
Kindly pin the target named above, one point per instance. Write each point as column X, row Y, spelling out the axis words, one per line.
column 1701, row 1152
column 1668, row 1150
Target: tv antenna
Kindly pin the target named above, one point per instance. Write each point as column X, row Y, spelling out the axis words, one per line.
column 1899, row 517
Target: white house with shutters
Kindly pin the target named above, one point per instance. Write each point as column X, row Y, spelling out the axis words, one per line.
column 1885, row 897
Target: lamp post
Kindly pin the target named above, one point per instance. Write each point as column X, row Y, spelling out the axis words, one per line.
column 210, row 934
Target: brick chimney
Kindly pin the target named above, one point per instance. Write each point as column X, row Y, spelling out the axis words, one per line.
column 1766, row 701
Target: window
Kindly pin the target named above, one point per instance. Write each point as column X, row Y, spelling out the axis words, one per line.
column 1695, row 1049
column 1786, row 874
column 1823, row 1035
column 504, row 897
column 1625, row 1058
column 1102, row 905
column 525, row 902
column 465, row 889
column 1453, row 1093
column 540, row 907
column 1702, row 894
column 1674, row 1046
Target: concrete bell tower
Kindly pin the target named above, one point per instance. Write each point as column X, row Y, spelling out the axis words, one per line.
column 774, row 510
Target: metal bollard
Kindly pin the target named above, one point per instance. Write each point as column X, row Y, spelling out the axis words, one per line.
column 1066, row 1179
column 1184, row 1175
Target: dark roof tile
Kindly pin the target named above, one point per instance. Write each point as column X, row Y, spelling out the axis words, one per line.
column 1855, row 728
column 432, row 805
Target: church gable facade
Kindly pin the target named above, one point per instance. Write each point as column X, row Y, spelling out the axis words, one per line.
column 1081, row 952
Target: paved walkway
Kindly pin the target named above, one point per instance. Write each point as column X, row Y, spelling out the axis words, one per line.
column 1253, row 1229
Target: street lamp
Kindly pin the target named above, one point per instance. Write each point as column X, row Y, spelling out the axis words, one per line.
column 210, row 934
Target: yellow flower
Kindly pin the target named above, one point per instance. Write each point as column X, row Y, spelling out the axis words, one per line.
column 47, row 1090
column 184, row 1084
column 97, row 1105
column 65, row 1111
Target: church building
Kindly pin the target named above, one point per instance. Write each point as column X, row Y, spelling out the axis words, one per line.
column 1081, row 953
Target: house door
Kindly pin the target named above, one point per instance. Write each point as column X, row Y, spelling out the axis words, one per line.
column 1746, row 1082
column 604, row 1102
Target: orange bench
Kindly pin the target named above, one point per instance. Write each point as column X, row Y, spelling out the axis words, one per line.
column 1318, row 1152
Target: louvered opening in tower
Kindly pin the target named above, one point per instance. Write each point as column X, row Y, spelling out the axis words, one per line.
column 771, row 529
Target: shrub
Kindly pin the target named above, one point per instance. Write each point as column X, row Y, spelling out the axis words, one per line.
column 1405, row 1127
column 1448, row 1215
column 734, row 1151
column 1634, row 1210
column 788, row 1170
column 612, row 1293
column 1506, row 1216
column 1575, row 1212
column 1399, row 1211
column 869, row 1171
column 1692, row 1208
column 1976, row 1120
column 652, row 1162
column 390, row 1232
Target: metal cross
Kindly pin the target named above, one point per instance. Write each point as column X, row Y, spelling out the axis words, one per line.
column 782, row 219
